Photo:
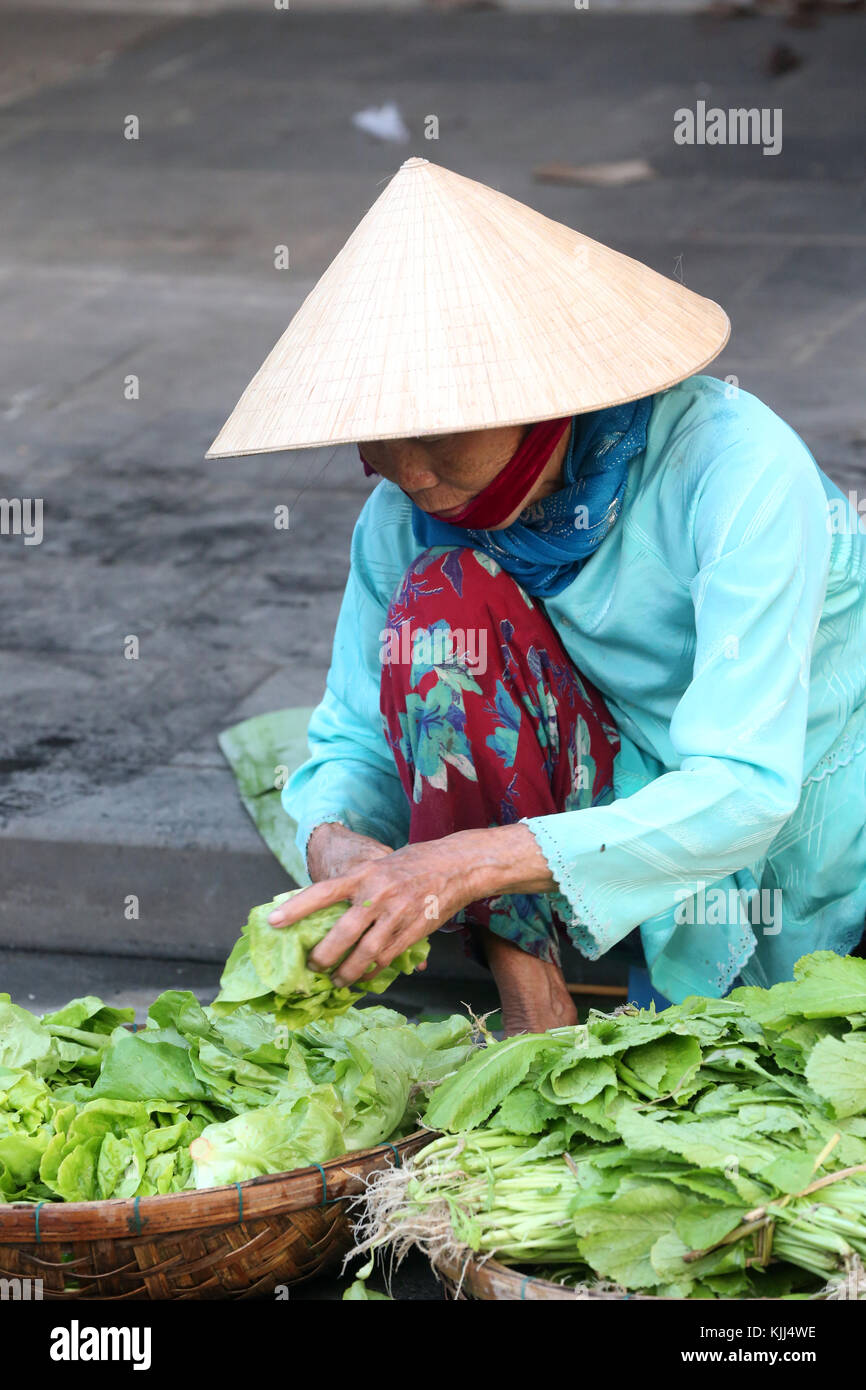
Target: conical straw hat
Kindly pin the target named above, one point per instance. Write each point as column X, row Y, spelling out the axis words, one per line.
column 453, row 307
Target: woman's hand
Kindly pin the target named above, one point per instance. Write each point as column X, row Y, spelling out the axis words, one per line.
column 404, row 895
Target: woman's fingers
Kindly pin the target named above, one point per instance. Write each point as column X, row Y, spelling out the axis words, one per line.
column 312, row 899
column 374, row 949
column 377, row 947
column 342, row 936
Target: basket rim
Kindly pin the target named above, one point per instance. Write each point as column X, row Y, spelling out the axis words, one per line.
column 120, row 1217
column 455, row 1271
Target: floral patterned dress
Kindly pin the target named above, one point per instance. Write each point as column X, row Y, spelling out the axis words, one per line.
column 488, row 720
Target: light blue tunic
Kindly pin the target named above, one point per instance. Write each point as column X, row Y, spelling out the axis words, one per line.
column 724, row 621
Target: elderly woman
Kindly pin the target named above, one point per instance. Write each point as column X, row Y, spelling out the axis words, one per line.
column 600, row 662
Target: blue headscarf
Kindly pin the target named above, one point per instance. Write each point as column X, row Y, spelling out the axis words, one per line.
column 545, row 549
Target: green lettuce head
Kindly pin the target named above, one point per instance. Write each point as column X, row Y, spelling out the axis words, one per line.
column 268, row 967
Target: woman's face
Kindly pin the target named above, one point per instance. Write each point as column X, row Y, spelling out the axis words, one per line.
column 442, row 473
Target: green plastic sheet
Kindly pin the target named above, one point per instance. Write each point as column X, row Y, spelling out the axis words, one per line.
column 263, row 752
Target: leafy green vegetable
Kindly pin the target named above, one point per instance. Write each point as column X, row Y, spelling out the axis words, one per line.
column 270, row 1140
column 268, row 965
column 24, row 1042
column 717, row 1149
column 151, row 1065
column 618, row 1237
column 525, row 1111
column 824, row 986
column 665, row 1064
column 836, row 1069
column 26, row 1128
column 357, row 1292
column 467, row 1099
column 120, row 1148
column 90, row 1109
column 87, row 1014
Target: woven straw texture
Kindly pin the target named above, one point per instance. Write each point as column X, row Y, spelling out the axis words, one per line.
column 224, row 1242
column 453, row 307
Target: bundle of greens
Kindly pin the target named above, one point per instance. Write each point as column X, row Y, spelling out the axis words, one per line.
column 717, row 1149
column 203, row 1096
column 268, row 968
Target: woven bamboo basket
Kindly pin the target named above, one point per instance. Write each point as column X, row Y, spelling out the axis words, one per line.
column 221, row 1242
column 473, row 1279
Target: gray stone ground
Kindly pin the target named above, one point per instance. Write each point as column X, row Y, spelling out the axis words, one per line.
column 155, row 258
